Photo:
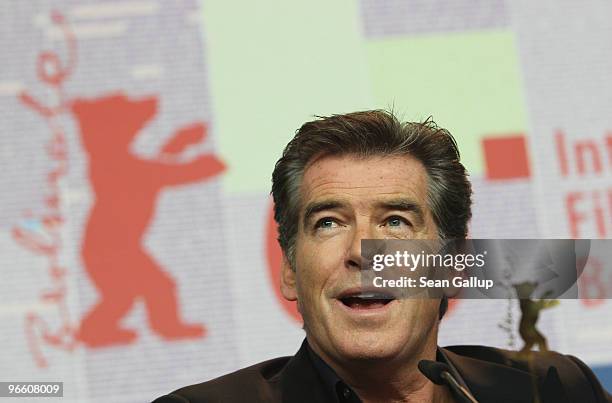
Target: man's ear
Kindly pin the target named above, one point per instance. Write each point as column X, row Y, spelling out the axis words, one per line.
column 287, row 278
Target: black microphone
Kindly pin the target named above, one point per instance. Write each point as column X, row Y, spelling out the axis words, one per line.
column 439, row 373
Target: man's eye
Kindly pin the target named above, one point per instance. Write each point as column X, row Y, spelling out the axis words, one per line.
column 397, row 221
column 326, row 223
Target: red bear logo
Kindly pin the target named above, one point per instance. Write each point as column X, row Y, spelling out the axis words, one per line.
column 126, row 188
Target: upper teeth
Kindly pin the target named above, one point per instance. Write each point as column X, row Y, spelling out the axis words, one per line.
column 373, row 295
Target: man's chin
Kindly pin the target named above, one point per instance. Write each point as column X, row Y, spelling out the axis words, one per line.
column 367, row 345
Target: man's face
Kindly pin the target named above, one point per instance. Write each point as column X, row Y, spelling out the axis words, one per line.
column 344, row 200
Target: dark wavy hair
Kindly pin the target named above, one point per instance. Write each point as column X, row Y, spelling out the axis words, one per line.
column 375, row 133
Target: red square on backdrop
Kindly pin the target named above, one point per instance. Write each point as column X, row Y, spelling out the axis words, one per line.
column 506, row 157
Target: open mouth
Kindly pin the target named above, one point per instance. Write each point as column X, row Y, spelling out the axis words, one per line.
column 366, row 300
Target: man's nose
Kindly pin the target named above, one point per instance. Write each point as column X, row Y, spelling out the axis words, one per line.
column 354, row 258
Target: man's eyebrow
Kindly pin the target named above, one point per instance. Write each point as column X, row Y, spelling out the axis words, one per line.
column 315, row 207
column 407, row 205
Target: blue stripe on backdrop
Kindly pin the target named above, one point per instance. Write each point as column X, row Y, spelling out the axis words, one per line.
column 604, row 374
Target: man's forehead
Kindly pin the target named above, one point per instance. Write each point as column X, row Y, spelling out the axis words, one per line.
column 354, row 174
column 370, row 180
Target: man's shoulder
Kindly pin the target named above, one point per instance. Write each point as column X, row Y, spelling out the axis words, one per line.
column 535, row 361
column 563, row 376
column 258, row 382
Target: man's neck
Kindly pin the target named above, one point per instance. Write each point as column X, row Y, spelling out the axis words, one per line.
column 391, row 380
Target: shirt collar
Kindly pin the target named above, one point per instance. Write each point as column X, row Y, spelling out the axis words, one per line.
column 334, row 385
column 344, row 393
